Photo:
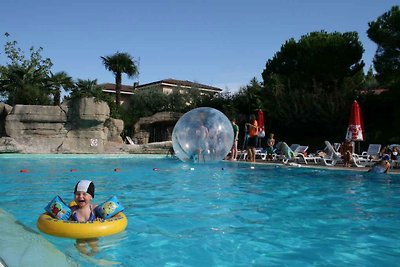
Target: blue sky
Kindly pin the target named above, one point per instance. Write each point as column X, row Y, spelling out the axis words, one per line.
column 224, row 43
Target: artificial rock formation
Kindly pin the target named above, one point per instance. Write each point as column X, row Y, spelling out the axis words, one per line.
column 160, row 124
column 4, row 110
column 79, row 126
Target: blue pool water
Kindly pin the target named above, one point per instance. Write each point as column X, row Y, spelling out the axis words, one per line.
column 225, row 214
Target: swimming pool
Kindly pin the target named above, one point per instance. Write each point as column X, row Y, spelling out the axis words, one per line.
column 225, row 214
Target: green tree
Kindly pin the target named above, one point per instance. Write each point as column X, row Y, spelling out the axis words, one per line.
column 57, row 82
column 120, row 63
column 385, row 32
column 319, row 61
column 250, row 97
column 309, row 83
column 88, row 88
column 370, row 81
column 178, row 102
column 23, row 85
column 22, row 80
column 147, row 103
column 224, row 103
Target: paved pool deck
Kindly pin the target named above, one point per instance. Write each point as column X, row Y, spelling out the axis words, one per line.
column 315, row 166
column 22, row 246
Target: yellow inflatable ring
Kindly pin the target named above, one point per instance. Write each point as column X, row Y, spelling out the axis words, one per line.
column 82, row 230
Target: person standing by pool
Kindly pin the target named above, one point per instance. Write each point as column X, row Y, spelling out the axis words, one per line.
column 234, row 149
column 252, row 128
column 84, row 211
column 346, row 150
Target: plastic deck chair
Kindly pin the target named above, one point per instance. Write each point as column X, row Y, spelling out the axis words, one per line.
column 130, row 141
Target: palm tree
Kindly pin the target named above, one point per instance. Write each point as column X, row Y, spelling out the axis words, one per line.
column 120, row 63
column 24, row 85
column 87, row 88
column 58, row 81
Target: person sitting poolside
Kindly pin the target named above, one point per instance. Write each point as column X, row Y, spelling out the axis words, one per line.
column 384, row 151
column 381, row 166
column 395, row 153
column 270, row 146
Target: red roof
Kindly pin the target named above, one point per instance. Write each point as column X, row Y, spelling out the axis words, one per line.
column 111, row 86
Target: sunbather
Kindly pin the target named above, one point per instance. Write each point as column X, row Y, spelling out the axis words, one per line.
column 286, row 152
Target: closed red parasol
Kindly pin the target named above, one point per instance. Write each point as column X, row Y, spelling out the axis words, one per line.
column 355, row 130
column 260, row 121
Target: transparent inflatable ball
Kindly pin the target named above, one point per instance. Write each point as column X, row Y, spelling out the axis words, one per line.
column 202, row 135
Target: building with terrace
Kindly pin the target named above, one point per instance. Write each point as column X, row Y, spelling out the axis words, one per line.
column 166, row 86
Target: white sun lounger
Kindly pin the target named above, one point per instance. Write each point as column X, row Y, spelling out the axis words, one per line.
column 331, row 158
column 130, row 141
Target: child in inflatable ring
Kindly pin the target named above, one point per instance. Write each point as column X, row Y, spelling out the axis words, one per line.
column 84, row 211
